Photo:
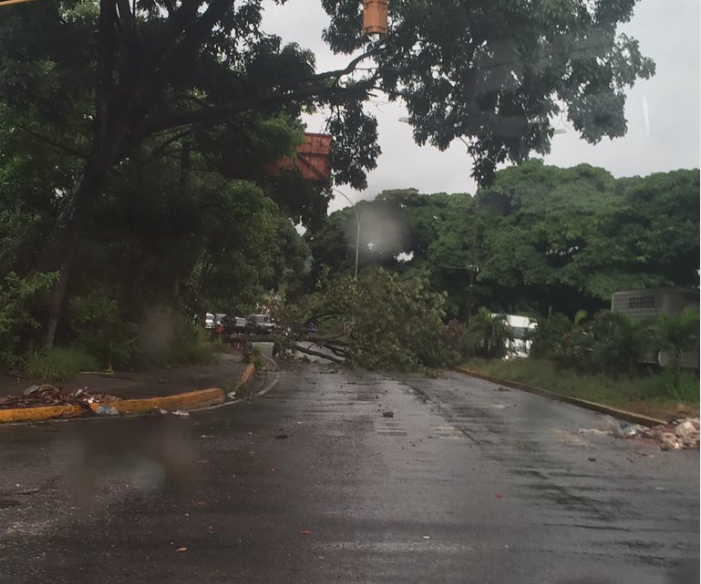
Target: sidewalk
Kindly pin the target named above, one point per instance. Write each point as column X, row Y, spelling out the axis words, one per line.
column 144, row 384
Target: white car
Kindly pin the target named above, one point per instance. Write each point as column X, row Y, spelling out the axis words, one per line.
column 520, row 326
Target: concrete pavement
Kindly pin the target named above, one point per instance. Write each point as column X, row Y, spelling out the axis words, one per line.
column 312, row 483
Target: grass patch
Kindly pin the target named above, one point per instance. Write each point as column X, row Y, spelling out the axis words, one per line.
column 651, row 394
column 59, row 364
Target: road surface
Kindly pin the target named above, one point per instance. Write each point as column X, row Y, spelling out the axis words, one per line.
column 311, row 483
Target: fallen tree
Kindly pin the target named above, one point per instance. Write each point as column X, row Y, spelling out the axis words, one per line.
column 379, row 321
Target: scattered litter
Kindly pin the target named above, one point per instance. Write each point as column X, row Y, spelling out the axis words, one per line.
column 591, row 459
column 593, row 431
column 181, row 550
column 388, row 414
column 161, row 381
column 200, row 504
column 502, row 389
column 305, row 532
column 281, row 436
column 427, row 537
column 676, row 435
column 629, row 430
column 180, row 413
column 499, row 496
column 106, row 410
column 210, row 528
column 31, row 389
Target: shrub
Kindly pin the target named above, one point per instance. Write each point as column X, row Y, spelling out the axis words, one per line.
column 98, row 329
column 59, row 364
column 191, row 346
column 677, row 334
column 551, row 335
column 16, row 295
column 618, row 342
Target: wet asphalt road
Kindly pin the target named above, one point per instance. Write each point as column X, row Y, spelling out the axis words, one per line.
column 310, row 483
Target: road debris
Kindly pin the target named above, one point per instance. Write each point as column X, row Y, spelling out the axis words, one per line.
column 675, row 435
column 106, row 410
column 36, row 396
column 388, row 414
column 305, row 532
column 593, row 432
column 181, row 550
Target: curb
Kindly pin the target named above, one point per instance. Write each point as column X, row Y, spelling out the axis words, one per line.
column 182, row 401
column 243, row 379
column 582, row 403
column 40, row 413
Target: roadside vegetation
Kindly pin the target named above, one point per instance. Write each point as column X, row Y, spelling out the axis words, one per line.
column 599, row 359
column 651, row 393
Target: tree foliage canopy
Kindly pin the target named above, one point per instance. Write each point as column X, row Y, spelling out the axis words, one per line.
column 538, row 238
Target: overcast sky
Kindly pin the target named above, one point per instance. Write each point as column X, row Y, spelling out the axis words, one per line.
column 663, row 112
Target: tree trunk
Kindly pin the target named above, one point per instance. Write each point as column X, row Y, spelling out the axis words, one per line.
column 64, row 242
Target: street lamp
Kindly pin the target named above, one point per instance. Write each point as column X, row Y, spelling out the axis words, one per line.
column 357, row 233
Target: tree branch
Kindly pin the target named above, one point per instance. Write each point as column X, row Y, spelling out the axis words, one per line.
column 50, row 142
column 306, row 351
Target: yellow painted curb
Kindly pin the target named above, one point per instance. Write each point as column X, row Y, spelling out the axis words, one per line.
column 582, row 403
column 40, row 413
column 246, row 375
column 181, row 401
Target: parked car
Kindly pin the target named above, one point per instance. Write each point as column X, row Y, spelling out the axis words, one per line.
column 234, row 324
column 259, row 324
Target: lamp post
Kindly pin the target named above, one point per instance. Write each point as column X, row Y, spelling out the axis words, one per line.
column 357, row 232
column 472, row 270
